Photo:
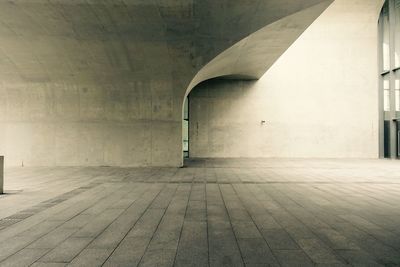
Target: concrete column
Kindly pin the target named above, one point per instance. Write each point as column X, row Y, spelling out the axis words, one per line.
column 1, row 174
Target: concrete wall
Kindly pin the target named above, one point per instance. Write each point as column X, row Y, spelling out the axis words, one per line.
column 320, row 99
column 88, row 83
column 90, row 124
column 103, row 82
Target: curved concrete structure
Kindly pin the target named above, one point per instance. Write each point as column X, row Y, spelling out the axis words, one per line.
column 89, row 82
column 319, row 100
column 251, row 57
column 282, row 131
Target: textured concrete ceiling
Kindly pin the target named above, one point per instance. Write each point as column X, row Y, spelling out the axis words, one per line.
column 127, row 40
column 251, row 57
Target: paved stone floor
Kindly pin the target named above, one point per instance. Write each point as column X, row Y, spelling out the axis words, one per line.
column 212, row 213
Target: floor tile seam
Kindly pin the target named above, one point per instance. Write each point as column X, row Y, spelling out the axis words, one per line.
column 360, row 214
column 255, row 224
column 118, row 198
column 41, row 236
column 50, row 211
column 20, row 251
column 375, row 198
column 282, row 227
column 207, row 228
column 43, row 202
column 127, row 233
column 82, row 212
column 334, row 196
column 26, row 246
column 353, row 205
column 380, row 241
column 231, row 226
column 104, row 229
column 326, row 244
column 183, row 224
column 157, row 227
column 90, row 237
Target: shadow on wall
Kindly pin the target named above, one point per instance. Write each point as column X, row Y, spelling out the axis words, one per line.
column 253, row 119
column 219, row 112
column 251, row 57
column 329, row 112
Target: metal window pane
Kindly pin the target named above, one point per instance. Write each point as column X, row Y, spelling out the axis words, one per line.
column 397, row 91
column 386, row 100
column 389, row 50
column 386, row 93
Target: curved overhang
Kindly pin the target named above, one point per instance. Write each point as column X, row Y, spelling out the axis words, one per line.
column 123, row 41
column 251, row 57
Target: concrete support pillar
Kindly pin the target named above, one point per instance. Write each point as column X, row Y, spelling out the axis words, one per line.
column 1, row 174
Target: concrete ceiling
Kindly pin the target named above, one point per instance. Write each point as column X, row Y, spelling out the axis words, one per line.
column 61, row 41
column 251, row 57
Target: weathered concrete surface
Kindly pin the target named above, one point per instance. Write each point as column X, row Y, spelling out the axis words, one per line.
column 103, row 82
column 320, row 99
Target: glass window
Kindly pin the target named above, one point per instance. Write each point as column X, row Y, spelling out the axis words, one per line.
column 397, row 91
column 185, row 135
column 386, row 93
column 389, row 50
column 385, row 37
column 397, row 33
column 186, row 109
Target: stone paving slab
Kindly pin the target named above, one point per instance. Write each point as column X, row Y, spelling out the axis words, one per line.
column 215, row 212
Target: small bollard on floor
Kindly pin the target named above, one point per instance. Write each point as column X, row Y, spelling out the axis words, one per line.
column 1, row 174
